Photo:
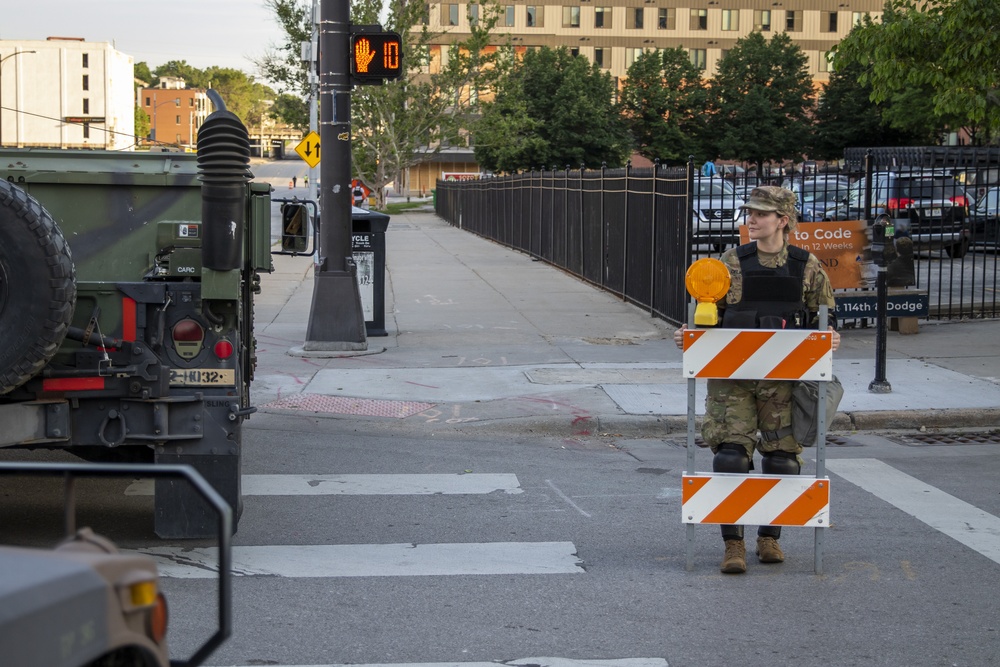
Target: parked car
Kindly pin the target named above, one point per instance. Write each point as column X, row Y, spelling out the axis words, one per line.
column 715, row 213
column 816, row 195
column 928, row 206
column 984, row 218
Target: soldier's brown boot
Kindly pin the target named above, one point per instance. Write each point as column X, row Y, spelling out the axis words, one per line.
column 735, row 560
column 768, row 550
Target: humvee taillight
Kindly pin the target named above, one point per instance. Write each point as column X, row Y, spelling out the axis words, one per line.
column 223, row 349
column 188, row 337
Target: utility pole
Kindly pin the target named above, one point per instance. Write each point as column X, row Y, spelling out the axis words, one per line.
column 313, row 90
column 336, row 319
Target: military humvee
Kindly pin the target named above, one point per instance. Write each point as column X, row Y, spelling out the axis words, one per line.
column 126, row 308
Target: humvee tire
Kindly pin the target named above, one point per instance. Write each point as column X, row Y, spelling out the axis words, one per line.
column 37, row 287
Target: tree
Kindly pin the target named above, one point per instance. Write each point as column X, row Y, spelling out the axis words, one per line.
column 846, row 116
column 193, row 77
column 141, row 71
column 943, row 52
column 562, row 107
column 141, row 124
column 291, row 110
column 664, row 99
column 397, row 125
column 761, row 100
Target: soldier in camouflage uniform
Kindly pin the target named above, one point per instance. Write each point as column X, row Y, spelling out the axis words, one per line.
column 773, row 286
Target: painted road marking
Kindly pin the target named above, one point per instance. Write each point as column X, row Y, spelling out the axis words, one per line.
column 374, row 485
column 373, row 560
column 522, row 662
column 973, row 527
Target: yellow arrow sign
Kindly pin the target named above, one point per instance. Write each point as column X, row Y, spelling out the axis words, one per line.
column 308, row 149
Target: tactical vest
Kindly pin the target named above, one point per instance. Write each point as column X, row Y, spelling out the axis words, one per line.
column 772, row 297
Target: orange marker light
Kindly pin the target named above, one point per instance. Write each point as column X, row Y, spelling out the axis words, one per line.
column 707, row 280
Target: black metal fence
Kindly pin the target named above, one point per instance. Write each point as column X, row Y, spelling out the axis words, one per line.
column 634, row 231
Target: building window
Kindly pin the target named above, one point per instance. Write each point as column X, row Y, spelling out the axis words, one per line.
column 86, row 106
column 473, row 14
column 857, row 16
column 86, row 60
column 666, row 18
column 730, row 19
column 508, row 16
column 793, row 20
column 571, row 16
column 599, row 58
column 425, row 16
column 86, row 82
column 449, row 14
column 574, row 50
column 826, row 61
column 829, row 23
column 637, row 18
column 762, row 20
column 147, row 102
column 86, row 130
column 602, row 17
column 698, row 58
column 190, row 101
column 699, row 19
column 631, row 55
column 535, row 17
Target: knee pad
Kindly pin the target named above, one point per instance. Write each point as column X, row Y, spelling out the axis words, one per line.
column 731, row 458
column 779, row 463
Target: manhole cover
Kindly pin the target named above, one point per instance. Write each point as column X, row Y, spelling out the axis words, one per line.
column 922, row 439
column 350, row 406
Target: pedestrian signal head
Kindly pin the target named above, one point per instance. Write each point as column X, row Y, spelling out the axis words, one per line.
column 707, row 280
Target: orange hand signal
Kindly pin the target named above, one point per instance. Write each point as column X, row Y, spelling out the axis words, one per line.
column 363, row 54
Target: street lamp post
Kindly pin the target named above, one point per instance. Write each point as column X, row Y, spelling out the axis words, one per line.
column 2, row 61
column 175, row 102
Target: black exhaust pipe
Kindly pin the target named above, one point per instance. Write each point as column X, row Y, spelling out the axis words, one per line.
column 224, row 170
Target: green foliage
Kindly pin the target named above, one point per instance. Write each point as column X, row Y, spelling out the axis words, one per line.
column 761, row 100
column 141, row 71
column 664, row 101
column 291, row 110
column 944, row 52
column 846, row 116
column 552, row 109
column 141, row 122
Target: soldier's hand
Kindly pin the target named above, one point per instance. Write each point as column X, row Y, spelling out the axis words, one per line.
column 679, row 336
column 836, row 338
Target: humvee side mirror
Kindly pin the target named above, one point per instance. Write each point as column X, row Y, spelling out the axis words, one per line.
column 294, row 228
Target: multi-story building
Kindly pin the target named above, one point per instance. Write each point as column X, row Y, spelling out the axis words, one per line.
column 66, row 93
column 613, row 33
column 175, row 112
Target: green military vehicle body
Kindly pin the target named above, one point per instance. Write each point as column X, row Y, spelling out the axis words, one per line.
column 126, row 308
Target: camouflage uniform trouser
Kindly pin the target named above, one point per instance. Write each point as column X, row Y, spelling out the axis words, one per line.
column 736, row 409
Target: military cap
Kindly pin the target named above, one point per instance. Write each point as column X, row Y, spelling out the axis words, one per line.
column 772, row 198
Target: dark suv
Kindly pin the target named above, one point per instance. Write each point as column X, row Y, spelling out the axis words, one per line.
column 929, row 207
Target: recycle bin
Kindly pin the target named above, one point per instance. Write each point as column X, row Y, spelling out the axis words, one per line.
column 368, row 248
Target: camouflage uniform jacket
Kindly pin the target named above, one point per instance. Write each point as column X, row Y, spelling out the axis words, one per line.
column 816, row 289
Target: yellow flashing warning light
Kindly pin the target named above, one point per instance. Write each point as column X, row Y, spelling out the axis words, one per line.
column 707, row 280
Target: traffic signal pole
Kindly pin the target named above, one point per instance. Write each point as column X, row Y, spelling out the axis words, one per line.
column 336, row 319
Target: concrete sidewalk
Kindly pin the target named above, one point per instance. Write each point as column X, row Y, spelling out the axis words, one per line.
column 481, row 336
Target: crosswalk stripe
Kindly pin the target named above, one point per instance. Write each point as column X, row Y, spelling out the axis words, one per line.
column 969, row 525
column 523, row 662
column 388, row 484
column 373, row 560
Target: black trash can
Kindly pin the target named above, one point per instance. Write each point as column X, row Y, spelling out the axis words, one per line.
column 368, row 247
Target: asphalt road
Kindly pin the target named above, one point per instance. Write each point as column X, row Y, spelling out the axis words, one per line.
column 496, row 549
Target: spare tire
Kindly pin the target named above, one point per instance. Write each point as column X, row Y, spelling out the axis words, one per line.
column 37, row 287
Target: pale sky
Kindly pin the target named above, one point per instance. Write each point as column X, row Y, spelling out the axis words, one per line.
column 226, row 33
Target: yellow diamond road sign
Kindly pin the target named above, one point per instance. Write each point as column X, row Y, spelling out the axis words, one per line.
column 308, row 149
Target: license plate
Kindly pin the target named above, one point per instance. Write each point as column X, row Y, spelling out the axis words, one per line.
column 201, row 377
column 932, row 212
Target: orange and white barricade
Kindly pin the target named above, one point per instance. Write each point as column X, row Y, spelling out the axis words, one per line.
column 775, row 500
